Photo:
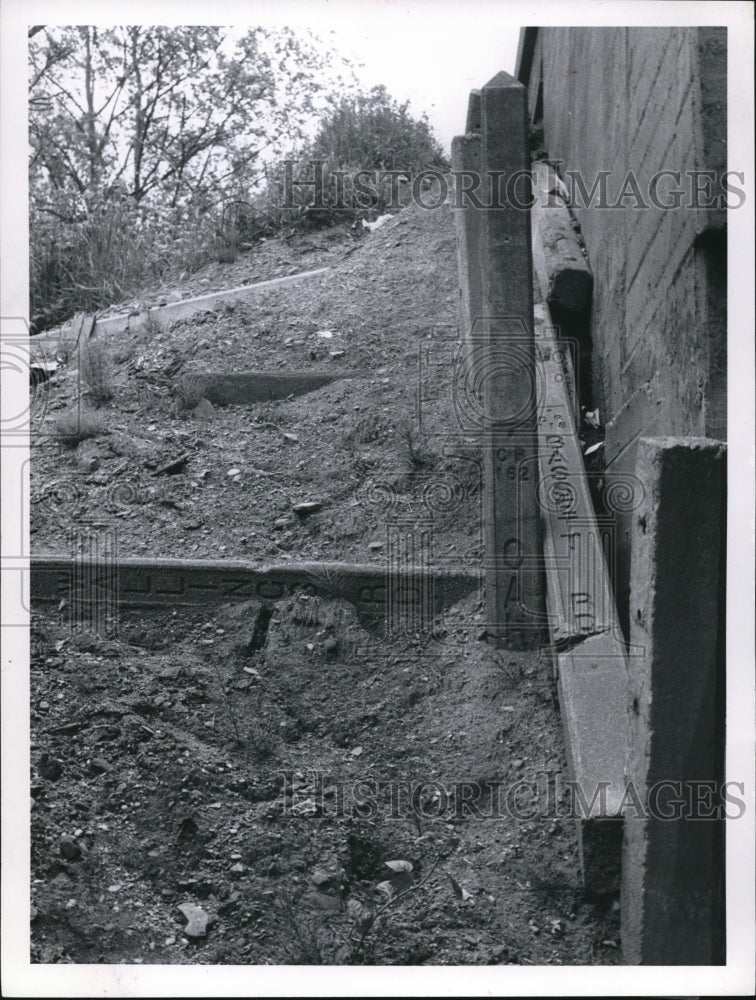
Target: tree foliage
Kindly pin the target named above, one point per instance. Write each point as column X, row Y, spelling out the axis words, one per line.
column 364, row 132
column 169, row 112
column 374, row 132
column 136, row 133
column 147, row 145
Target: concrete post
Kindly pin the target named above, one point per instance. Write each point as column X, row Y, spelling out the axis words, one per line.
column 473, row 123
column 673, row 868
column 468, row 221
column 506, row 374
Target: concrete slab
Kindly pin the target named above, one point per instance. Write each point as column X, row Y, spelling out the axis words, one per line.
column 589, row 649
column 167, row 583
column 592, row 685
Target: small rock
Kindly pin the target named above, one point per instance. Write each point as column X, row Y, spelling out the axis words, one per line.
column 336, row 354
column 323, row 901
column 307, row 507
column 330, row 647
column 374, row 546
column 197, row 920
column 69, row 849
column 357, row 752
column 282, row 522
column 204, row 410
column 290, row 437
column 173, row 468
column 304, row 808
column 100, row 766
column 48, row 768
column 234, row 472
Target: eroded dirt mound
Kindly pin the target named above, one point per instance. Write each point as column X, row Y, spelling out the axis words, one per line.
column 277, row 785
column 361, row 447
column 274, row 783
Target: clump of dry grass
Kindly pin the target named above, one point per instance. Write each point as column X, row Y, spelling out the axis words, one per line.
column 77, row 425
column 97, row 371
column 188, row 391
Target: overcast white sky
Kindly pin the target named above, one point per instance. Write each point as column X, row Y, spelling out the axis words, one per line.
column 432, row 52
column 434, row 59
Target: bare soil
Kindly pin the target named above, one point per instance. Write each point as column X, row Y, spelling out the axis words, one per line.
column 323, row 793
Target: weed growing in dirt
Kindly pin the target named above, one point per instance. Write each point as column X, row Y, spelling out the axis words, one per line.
column 350, row 934
column 74, row 426
column 153, row 326
column 368, row 429
column 96, row 370
column 307, row 941
column 415, row 453
column 254, row 733
column 555, row 888
column 225, row 250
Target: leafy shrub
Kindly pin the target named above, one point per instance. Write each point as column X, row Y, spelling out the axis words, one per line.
column 369, row 132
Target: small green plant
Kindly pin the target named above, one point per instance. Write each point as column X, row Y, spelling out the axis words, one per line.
column 74, row 426
column 96, row 370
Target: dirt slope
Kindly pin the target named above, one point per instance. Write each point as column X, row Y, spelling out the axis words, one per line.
column 275, row 784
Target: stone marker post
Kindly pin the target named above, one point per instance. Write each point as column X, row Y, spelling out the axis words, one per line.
column 468, row 220
column 505, row 373
column 673, row 864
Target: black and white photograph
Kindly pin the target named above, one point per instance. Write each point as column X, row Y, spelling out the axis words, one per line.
column 378, row 493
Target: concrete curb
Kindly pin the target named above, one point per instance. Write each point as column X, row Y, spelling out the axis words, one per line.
column 173, row 311
column 224, row 388
column 589, row 649
column 176, row 583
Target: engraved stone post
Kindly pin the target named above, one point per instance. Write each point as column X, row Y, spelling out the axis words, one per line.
column 507, row 374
